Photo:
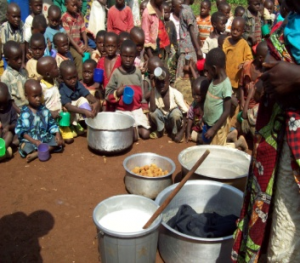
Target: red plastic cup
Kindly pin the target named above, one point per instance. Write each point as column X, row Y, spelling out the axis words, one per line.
column 200, row 64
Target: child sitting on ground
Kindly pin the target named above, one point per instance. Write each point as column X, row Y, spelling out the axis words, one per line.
column 8, row 120
column 226, row 10
column 54, row 23
column 119, row 18
column 37, row 48
column 73, row 95
column 128, row 75
column 204, row 21
column 74, row 26
column 35, row 124
column 218, row 100
column 99, row 52
column 88, row 78
column 239, row 11
column 61, row 44
column 218, row 20
column 195, row 113
column 15, row 76
column 167, row 109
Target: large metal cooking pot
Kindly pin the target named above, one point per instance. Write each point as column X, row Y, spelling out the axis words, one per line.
column 147, row 186
column 110, row 132
column 223, row 164
column 202, row 196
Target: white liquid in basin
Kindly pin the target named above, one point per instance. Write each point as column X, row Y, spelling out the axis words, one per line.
column 128, row 220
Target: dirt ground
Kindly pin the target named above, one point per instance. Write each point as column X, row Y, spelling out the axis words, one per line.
column 46, row 207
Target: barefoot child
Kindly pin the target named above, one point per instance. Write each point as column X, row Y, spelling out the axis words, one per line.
column 37, row 46
column 99, row 52
column 35, row 124
column 73, row 95
column 15, row 76
column 218, row 100
column 61, row 44
column 204, row 21
column 128, row 75
column 8, row 120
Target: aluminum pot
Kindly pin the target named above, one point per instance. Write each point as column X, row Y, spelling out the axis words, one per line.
column 223, row 164
column 202, row 196
column 110, row 132
column 147, row 186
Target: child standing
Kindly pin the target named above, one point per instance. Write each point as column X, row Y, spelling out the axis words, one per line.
column 15, row 76
column 138, row 37
column 239, row 11
column 204, row 21
column 99, row 52
column 226, row 10
column 8, row 120
column 36, row 125
column 37, row 48
column 252, row 16
column 88, row 77
column 74, row 26
column 119, row 18
column 218, row 20
column 61, row 44
column 218, row 100
column 128, row 75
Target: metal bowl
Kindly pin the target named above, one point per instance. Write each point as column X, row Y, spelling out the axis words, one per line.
column 110, row 132
column 202, row 196
column 223, row 164
column 147, row 186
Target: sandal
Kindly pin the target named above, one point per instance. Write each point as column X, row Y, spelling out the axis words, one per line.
column 156, row 134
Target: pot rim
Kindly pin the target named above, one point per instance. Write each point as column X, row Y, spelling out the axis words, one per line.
column 183, row 152
column 145, row 177
column 170, row 188
column 110, row 232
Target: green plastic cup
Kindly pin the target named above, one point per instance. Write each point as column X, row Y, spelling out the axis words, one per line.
column 2, row 147
column 64, row 119
column 265, row 30
column 239, row 117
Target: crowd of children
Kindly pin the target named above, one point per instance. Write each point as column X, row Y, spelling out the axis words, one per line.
column 50, row 63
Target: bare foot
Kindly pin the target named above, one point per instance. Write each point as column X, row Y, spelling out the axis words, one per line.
column 30, row 157
column 232, row 136
column 241, row 143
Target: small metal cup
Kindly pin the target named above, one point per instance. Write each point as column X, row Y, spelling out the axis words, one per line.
column 159, row 73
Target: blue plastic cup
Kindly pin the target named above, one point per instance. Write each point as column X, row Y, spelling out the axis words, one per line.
column 43, row 152
column 98, row 75
column 128, row 94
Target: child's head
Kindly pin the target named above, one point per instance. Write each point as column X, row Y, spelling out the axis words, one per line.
column 71, row 6
column 158, row 3
column 120, row 3
column 47, row 67
column 69, row 73
column 88, row 68
column 239, row 11
column 215, row 62
column 162, row 86
column 153, row 63
column 284, row 9
column 13, row 15
column 79, row 5
column 13, row 54
column 219, row 2
column 137, row 35
column 199, row 89
column 54, row 17
column 237, row 28
column 4, row 97
column 269, row 5
column 61, row 43
column 33, row 93
column 254, row 5
column 143, row 6
column 176, row 7
column 39, row 24
column 205, row 8
column 122, row 37
column 128, row 54
column 36, row 6
column 100, row 42
column 221, row 39
column 111, row 44
column 167, row 11
column 219, row 20
column 225, row 9
column 37, row 45
column 261, row 52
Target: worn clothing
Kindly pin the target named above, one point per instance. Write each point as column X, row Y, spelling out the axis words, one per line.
column 176, row 22
column 50, row 33
column 60, row 58
column 68, row 95
column 27, row 28
column 248, row 125
column 78, row 61
column 171, row 30
column 91, row 88
column 140, row 119
column 214, row 101
column 181, row 63
column 163, row 37
column 62, row 6
column 32, row 70
column 8, row 116
column 15, row 81
column 195, row 114
column 236, row 54
column 119, row 20
column 187, row 19
column 95, row 17
column 205, row 27
column 8, row 33
column 228, row 24
column 209, row 44
column 96, row 55
column 184, row 86
column 252, row 26
column 51, row 96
